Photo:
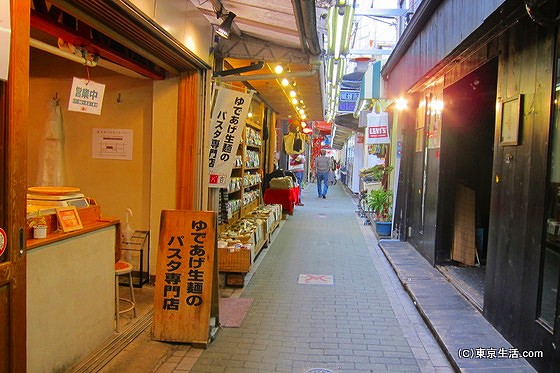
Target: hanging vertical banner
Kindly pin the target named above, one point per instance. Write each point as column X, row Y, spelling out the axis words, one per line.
column 185, row 287
column 86, row 96
column 377, row 131
column 227, row 123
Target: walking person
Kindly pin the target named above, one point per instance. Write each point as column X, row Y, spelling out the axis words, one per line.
column 322, row 168
column 297, row 166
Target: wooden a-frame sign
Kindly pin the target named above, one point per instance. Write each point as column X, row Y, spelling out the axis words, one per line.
column 186, row 286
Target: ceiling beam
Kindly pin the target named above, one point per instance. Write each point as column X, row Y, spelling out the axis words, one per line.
column 250, row 48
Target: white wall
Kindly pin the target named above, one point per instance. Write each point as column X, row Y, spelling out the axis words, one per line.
column 70, row 300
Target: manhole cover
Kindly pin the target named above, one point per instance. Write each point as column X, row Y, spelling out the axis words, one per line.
column 319, row 370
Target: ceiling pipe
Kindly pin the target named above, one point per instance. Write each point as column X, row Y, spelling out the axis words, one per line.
column 58, row 52
column 244, row 78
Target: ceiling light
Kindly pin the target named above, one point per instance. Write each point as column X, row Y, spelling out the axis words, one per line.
column 225, row 28
column 295, row 101
column 293, row 93
column 285, row 82
column 278, row 69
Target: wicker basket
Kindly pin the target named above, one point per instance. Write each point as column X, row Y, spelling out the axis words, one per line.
column 234, row 260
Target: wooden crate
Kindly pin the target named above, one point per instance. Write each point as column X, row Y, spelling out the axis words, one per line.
column 234, row 261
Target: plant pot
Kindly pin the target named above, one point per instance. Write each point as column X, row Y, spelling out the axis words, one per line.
column 383, row 228
column 40, row 231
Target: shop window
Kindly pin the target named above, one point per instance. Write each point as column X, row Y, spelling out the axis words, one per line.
column 550, row 267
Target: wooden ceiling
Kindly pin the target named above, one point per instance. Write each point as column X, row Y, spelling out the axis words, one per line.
column 268, row 31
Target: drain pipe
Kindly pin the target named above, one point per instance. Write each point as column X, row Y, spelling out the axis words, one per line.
column 307, row 20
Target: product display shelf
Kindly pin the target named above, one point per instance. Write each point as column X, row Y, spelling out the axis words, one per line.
column 241, row 244
column 244, row 192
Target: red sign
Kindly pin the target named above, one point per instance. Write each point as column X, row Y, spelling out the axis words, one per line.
column 378, row 132
column 3, row 241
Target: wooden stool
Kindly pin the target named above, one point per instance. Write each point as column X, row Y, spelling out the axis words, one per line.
column 123, row 269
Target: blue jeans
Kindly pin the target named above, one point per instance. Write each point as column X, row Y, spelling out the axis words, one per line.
column 299, row 178
column 322, row 178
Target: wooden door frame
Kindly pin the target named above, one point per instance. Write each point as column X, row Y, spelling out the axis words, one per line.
column 16, row 103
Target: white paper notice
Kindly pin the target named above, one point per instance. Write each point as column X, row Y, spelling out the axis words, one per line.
column 111, row 143
column 86, row 96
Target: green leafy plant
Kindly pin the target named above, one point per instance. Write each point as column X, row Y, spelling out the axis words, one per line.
column 381, row 203
column 375, row 173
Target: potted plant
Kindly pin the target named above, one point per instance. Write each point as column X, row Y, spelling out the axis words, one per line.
column 376, row 173
column 39, row 225
column 380, row 202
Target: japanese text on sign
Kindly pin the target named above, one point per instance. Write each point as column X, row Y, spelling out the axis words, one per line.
column 227, row 123
column 185, row 287
column 86, row 96
column 194, row 283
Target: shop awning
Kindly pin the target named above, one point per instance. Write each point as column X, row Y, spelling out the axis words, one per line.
column 340, row 135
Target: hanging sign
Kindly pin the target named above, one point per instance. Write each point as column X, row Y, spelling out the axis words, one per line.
column 86, row 96
column 185, row 273
column 227, row 123
column 5, row 35
column 347, row 100
column 377, row 131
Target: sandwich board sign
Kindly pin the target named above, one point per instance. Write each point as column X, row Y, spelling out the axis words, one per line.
column 186, row 287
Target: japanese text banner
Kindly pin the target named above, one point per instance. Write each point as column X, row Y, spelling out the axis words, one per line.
column 227, row 123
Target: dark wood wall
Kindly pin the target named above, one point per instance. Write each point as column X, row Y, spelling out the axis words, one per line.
column 517, row 204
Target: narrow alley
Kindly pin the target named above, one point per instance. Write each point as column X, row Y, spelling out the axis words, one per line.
column 324, row 299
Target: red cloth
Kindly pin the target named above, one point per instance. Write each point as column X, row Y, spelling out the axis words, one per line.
column 285, row 197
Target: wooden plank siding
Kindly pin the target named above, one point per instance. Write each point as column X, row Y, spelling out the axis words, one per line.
column 517, row 207
column 446, row 39
column 462, row 37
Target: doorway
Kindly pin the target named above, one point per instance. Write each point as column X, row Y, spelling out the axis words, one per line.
column 466, row 180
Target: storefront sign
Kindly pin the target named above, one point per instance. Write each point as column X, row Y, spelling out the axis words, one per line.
column 86, row 96
column 347, row 101
column 227, row 123
column 185, row 286
column 5, row 35
column 377, row 131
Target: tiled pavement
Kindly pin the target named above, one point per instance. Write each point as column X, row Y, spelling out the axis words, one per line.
column 363, row 322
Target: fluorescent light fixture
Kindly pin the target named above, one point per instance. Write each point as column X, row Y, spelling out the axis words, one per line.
column 340, row 19
column 224, row 29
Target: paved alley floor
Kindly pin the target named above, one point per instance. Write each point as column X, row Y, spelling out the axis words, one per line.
column 325, row 298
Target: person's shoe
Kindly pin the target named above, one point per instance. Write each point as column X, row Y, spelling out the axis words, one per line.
column 324, row 197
